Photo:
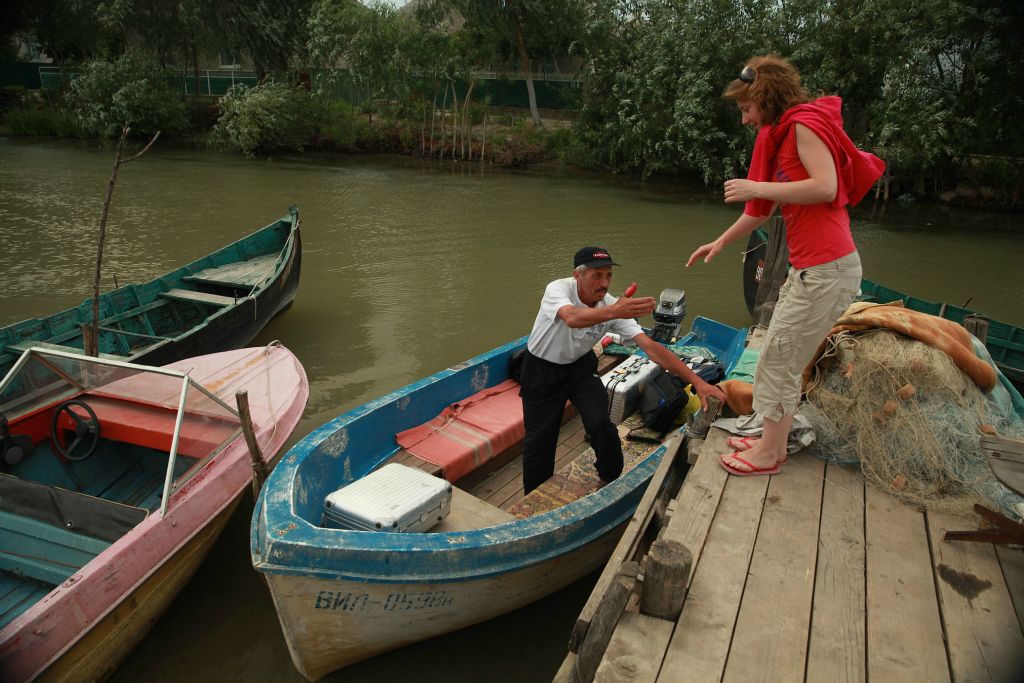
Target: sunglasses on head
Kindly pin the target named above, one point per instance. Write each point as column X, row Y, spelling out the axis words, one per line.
column 748, row 74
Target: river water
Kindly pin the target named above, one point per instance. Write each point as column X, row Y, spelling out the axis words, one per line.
column 410, row 267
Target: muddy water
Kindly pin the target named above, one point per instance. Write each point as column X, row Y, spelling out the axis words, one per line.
column 409, row 268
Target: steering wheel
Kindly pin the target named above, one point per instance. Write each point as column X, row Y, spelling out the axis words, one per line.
column 86, row 430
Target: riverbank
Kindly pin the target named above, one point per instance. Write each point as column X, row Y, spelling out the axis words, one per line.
column 493, row 137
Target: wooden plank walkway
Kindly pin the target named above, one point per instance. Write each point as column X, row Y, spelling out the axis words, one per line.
column 810, row 575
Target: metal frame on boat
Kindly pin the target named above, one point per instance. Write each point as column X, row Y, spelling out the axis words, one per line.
column 170, row 486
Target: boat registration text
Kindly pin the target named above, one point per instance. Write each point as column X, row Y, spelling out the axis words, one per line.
column 362, row 602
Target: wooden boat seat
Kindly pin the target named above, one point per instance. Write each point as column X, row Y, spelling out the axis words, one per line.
column 198, row 297
column 242, row 275
column 48, row 533
column 469, row 512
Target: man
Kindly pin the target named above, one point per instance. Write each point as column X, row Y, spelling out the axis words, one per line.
column 575, row 314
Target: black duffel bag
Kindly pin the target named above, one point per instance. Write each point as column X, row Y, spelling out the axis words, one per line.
column 661, row 402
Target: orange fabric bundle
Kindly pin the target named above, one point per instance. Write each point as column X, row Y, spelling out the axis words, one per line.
column 944, row 335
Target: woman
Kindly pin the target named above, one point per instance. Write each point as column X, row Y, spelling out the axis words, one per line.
column 804, row 163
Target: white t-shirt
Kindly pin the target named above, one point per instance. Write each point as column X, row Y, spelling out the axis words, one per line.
column 556, row 342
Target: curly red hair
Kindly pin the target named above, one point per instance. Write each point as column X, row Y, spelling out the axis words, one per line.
column 776, row 87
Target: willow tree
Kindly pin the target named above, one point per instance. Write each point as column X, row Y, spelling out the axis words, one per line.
column 376, row 45
column 527, row 28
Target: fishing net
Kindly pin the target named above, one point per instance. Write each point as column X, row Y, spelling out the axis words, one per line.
column 911, row 419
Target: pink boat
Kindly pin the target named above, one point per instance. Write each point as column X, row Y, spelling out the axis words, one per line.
column 115, row 481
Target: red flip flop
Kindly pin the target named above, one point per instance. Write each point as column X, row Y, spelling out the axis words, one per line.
column 745, row 443
column 752, row 472
column 740, row 443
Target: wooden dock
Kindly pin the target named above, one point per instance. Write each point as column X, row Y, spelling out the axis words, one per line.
column 808, row 575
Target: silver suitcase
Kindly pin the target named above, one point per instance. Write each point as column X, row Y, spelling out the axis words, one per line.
column 393, row 498
column 625, row 384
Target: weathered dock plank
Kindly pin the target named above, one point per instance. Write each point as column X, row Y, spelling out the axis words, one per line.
column 984, row 635
column 701, row 642
column 770, row 640
column 1012, row 562
column 836, row 649
column 904, row 630
column 636, row 658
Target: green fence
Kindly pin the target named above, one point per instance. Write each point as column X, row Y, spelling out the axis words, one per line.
column 497, row 92
column 25, row 74
column 553, row 92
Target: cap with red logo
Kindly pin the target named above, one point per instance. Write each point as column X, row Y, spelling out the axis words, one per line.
column 593, row 257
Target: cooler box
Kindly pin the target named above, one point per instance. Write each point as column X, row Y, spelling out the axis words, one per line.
column 625, row 383
column 393, row 498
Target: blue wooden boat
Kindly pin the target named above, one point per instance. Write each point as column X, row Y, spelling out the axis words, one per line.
column 343, row 595
column 217, row 303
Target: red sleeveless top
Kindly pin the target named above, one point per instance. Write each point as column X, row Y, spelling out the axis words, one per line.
column 815, row 233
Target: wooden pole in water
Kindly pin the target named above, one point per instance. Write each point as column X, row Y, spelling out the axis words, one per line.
column 259, row 466
column 91, row 337
column 603, row 626
column 776, row 265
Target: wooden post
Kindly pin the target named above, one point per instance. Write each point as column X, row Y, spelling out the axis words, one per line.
column 776, row 264
column 666, row 572
column 698, row 429
column 259, row 467
column 90, row 340
column 663, row 486
column 603, row 626
column 977, row 324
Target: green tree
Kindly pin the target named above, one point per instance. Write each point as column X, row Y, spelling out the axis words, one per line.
column 110, row 95
column 524, row 28
column 71, row 30
column 268, row 118
column 272, row 32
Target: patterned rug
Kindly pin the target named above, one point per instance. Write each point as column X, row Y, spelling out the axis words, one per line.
column 579, row 477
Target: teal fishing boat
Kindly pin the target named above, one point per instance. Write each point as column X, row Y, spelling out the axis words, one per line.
column 1005, row 342
column 216, row 303
column 344, row 594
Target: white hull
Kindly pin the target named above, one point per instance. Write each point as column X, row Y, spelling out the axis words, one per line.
column 329, row 624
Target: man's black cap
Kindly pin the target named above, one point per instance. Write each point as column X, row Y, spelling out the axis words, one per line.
column 593, row 257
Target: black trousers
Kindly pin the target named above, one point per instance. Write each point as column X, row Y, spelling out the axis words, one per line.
column 545, row 386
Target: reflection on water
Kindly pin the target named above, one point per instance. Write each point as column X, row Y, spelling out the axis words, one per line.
column 409, row 268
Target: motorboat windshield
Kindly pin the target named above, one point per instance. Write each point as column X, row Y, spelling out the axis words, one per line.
column 157, row 408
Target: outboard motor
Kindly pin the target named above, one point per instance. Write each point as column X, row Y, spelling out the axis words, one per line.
column 668, row 315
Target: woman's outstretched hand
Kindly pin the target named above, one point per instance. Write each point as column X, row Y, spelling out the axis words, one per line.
column 708, row 251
